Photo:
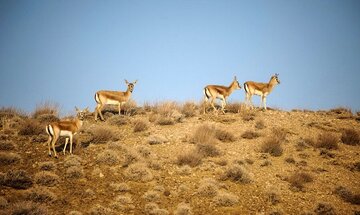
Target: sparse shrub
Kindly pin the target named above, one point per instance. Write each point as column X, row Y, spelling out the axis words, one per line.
column 6, row 145
column 118, row 120
column 40, row 195
column 189, row 158
column 265, row 163
column 235, row 107
column 46, row 178
column 151, row 196
column 131, row 157
column 28, row 208
column 347, row 195
column 305, row 143
column 260, row 124
column 7, row 158
column 184, row 170
column 140, row 125
column 324, row 209
column 350, row 137
column 207, row 150
column 273, row 198
column 3, row 203
column 47, row 118
column 108, row 157
column 299, row 179
column 129, row 108
column 341, row 110
column 279, row 133
column 75, row 213
column 248, row 116
column 119, row 187
column 138, row 172
column 31, row 127
column 99, row 210
column 224, row 136
column 225, row 199
column 156, row 139
column 272, row 146
column 144, row 151
column 102, row 134
column 165, row 120
column 123, row 199
column 74, row 172
column 10, row 112
column 250, row 135
column 47, row 166
column 290, row 160
column 18, row 179
column 204, row 134
column 189, row 109
column 236, row 174
column 208, row 188
column 327, row 140
column 183, row 209
column 249, row 161
column 153, row 209
column 355, row 166
column 72, row 160
column 166, row 108
column 46, row 108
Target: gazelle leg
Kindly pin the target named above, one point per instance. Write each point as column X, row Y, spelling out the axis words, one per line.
column 49, row 142
column 100, row 109
column 119, row 107
column 264, row 100
column 66, row 142
column 212, row 104
column 223, row 104
column 205, row 103
column 55, row 138
column 71, row 142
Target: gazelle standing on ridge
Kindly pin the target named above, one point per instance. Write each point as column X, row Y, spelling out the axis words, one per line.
column 260, row 89
column 105, row 97
column 213, row 92
column 67, row 128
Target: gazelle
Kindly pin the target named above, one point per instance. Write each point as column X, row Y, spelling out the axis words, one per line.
column 67, row 128
column 104, row 97
column 213, row 92
column 260, row 89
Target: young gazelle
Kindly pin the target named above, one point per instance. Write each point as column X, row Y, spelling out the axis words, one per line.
column 260, row 89
column 67, row 128
column 104, row 97
column 212, row 92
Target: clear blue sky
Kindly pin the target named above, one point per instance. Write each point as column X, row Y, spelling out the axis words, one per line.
column 64, row 51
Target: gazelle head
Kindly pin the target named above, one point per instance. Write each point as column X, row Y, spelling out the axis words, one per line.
column 275, row 78
column 130, row 85
column 81, row 113
column 236, row 84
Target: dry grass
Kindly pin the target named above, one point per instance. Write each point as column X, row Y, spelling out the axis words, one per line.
column 323, row 208
column 165, row 120
column 119, row 187
column 298, row 180
column 46, row 108
column 74, row 172
column 183, row 209
column 224, row 136
column 207, row 150
column 18, row 179
column 224, row 199
column 108, row 157
column 260, row 124
column 350, row 137
column 27, row 208
column 153, row 209
column 47, row 166
column 250, row 135
column 7, row 158
column 166, row 108
column 40, row 195
column 189, row 158
column 327, row 140
column 151, row 196
column 204, row 134
column 272, row 145
column 235, row 107
column 31, row 127
column 46, row 179
column 6, row 145
column 138, row 172
column 3, row 203
column 10, row 112
column 157, row 139
column 118, row 120
column 273, row 197
column 237, row 174
column 248, row 116
column 189, row 109
column 140, row 125
column 346, row 195
column 72, row 160
column 102, row 134
column 99, row 210
column 129, row 108
column 208, row 188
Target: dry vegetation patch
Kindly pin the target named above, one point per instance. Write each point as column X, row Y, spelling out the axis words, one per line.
column 183, row 209
column 237, row 174
column 46, row 108
column 250, row 135
column 157, row 139
column 140, row 125
column 108, row 157
column 27, row 208
column 31, row 127
column 74, row 172
column 6, row 145
column 189, row 109
column 118, row 120
column 138, row 172
column 40, row 195
column 225, row 199
column 324, row 208
column 298, row 180
column 119, row 187
column 191, row 158
column 46, row 178
column 327, row 140
column 260, row 124
column 7, row 158
column 350, row 137
column 102, row 134
column 207, row 150
column 47, row 166
column 208, row 188
column 348, row 196
column 272, row 145
column 3, row 203
column 18, row 179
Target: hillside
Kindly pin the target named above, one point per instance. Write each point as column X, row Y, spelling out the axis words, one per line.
column 170, row 159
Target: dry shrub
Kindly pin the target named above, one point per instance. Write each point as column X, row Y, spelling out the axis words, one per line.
column 304, row 143
column 75, row 213
column 46, row 178
column 224, row 136
column 250, row 135
column 189, row 109
column 99, row 210
column 204, row 134
column 6, row 145
column 346, row 195
column 108, row 157
column 350, row 137
column 235, row 107
column 102, row 134
column 260, row 124
column 138, row 172
column 144, row 151
column 123, row 199
column 151, row 196
column 272, row 146
column 28, row 208
column 157, row 139
column 129, row 108
column 236, row 174
column 41, row 195
column 324, row 209
column 47, row 118
column 207, row 150
column 165, row 120
column 273, row 197
column 208, row 188
column 18, row 179
column 279, row 133
column 341, row 110
column 46, row 108
column 290, row 160
column 299, row 179
column 131, row 156
column 7, row 158
column 3, row 203
column 189, row 158
column 119, row 187
column 183, row 209
column 166, row 108
column 10, row 112
column 118, row 120
column 72, row 160
column 140, row 125
column 224, row 199
column 248, row 116
column 327, row 140
column 74, row 172
column 184, row 170
column 153, row 209
column 47, row 166
column 31, row 127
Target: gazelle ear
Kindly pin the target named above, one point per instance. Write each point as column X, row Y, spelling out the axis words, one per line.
column 77, row 109
column 86, row 109
column 276, row 74
column 135, row 82
column 126, row 81
column 235, row 78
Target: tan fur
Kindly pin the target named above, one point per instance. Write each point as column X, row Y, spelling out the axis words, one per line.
column 104, row 97
column 260, row 89
column 211, row 92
